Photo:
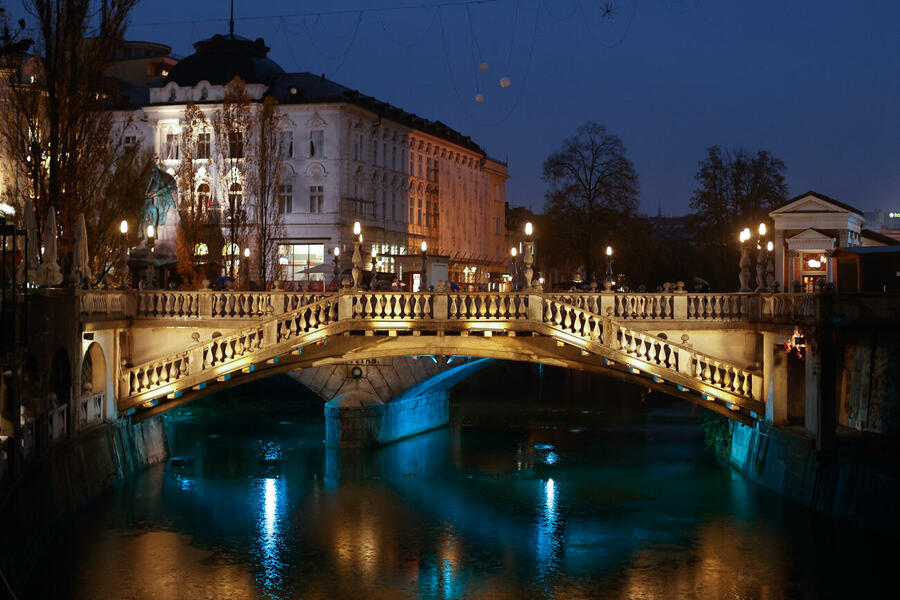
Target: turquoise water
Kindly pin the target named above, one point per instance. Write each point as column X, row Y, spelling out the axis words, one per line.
column 513, row 500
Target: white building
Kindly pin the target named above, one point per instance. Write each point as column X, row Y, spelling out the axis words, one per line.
column 350, row 157
column 808, row 228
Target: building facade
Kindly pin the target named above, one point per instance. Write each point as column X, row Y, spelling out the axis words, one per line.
column 348, row 157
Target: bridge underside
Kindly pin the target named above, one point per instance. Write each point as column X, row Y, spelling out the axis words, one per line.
column 516, row 341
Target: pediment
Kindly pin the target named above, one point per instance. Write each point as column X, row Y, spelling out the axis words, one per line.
column 813, row 202
column 810, row 239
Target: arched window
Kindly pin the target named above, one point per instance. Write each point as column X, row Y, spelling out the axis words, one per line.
column 231, row 250
column 201, row 249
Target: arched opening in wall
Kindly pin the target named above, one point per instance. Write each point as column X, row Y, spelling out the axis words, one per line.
column 92, row 395
column 61, row 378
column 93, row 371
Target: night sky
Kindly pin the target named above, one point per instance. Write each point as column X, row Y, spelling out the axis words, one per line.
column 815, row 82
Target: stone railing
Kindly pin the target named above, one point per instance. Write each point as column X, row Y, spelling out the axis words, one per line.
column 392, row 305
column 105, row 304
column 789, row 307
column 654, row 350
column 718, row 307
column 487, row 306
column 222, row 350
column 90, row 409
column 57, row 418
column 448, row 311
column 206, row 304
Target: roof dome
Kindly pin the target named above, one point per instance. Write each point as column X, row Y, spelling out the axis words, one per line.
column 222, row 57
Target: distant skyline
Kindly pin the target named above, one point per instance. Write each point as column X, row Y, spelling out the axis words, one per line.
column 816, row 83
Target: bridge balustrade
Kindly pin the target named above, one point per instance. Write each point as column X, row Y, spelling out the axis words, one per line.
column 57, row 417
column 651, row 349
column 90, row 409
column 207, row 304
column 104, row 304
column 441, row 311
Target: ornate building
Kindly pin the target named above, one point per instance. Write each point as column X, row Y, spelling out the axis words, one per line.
column 348, row 157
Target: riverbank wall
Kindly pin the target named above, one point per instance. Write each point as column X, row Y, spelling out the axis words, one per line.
column 856, row 486
column 69, row 475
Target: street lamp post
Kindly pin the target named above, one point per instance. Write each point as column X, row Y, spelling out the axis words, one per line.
column 770, row 266
column 513, row 268
column 528, row 258
column 424, row 286
column 744, row 275
column 374, row 267
column 608, row 283
column 151, row 243
column 357, row 257
column 123, row 259
column 337, row 268
column 761, row 286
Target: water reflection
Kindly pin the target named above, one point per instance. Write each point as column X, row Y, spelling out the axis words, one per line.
column 495, row 511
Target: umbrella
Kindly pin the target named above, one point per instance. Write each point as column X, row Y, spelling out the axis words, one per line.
column 32, row 258
column 49, row 269
column 323, row 268
column 81, row 260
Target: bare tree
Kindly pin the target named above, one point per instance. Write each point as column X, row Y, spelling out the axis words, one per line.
column 593, row 192
column 59, row 129
column 232, row 123
column 269, row 151
column 199, row 236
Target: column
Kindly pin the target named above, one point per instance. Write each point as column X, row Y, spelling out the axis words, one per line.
column 788, row 284
column 779, row 259
column 774, row 380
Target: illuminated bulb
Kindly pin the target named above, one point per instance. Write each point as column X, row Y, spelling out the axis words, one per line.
column 762, row 229
column 479, row 97
column 357, row 228
column 529, row 228
column 150, row 231
column 769, row 246
column 246, row 252
column 123, row 226
column 513, row 251
column 504, row 82
column 337, row 251
column 609, row 250
column 484, row 66
column 424, row 245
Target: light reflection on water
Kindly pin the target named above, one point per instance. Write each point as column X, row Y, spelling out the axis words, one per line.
column 265, row 512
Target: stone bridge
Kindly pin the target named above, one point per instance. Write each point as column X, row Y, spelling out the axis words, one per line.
column 168, row 347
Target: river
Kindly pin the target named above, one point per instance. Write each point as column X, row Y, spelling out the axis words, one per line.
column 517, row 499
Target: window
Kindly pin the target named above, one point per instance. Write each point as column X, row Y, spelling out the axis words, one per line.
column 428, row 172
column 203, row 145
column 412, row 210
column 297, row 258
column 384, row 155
column 285, row 198
column 394, row 157
column 316, row 143
column 419, row 212
column 316, row 198
column 203, row 197
column 171, row 149
column 497, row 225
column 130, row 141
column 287, row 143
column 412, row 163
column 419, row 166
column 374, row 152
column 235, row 198
column 235, row 144
column 394, row 211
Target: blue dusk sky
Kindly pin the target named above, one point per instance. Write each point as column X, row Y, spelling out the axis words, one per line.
column 816, row 82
